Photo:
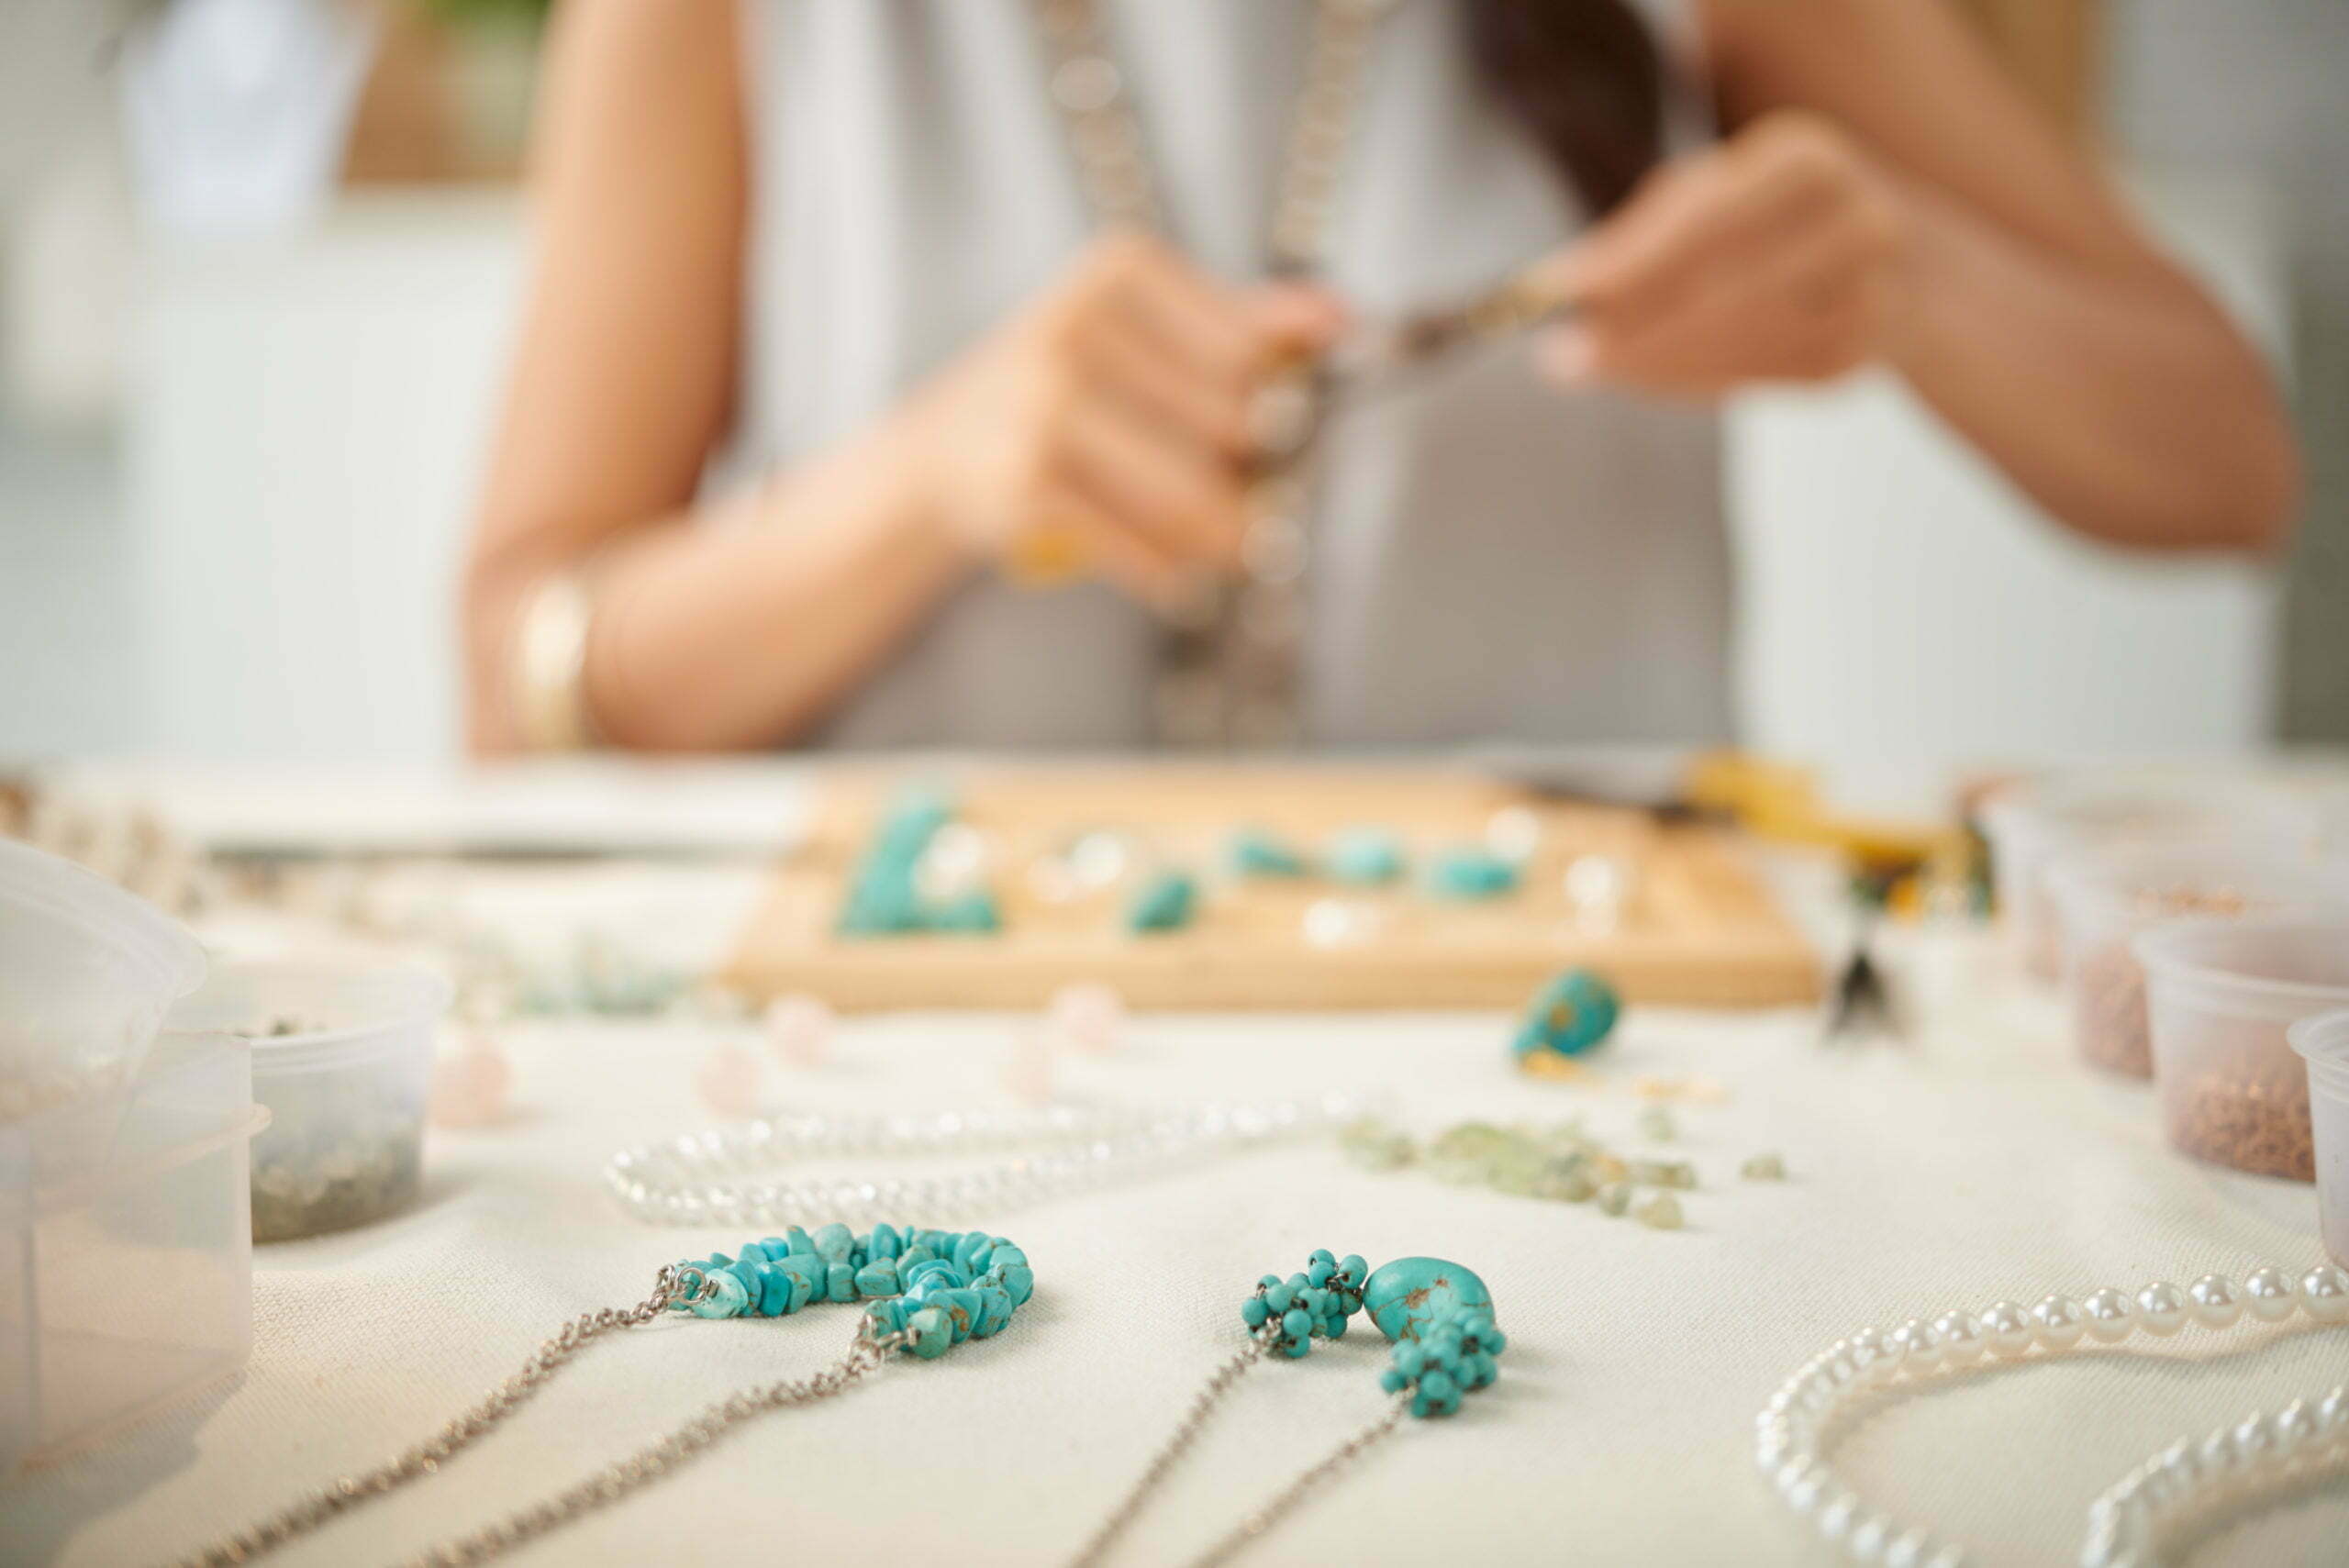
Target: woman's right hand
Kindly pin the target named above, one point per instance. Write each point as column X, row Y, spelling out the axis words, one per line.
column 1106, row 425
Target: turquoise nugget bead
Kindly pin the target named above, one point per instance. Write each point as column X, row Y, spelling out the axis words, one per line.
column 965, row 1248
column 882, row 1244
column 752, row 1253
column 1254, row 852
column 877, row 1279
column 1410, row 1294
column 840, row 1284
column 799, row 1242
column 1004, row 1252
column 1164, row 904
column 774, row 1291
column 1366, row 855
column 931, row 1331
column 994, row 1310
column 728, row 1298
column 962, row 1309
column 1472, row 873
column 886, row 1317
column 1019, row 1281
column 934, row 1268
column 914, row 1252
column 1575, row 1013
column 833, row 1242
column 973, row 914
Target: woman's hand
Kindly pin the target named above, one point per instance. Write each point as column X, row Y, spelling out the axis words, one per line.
column 1781, row 255
column 1106, row 425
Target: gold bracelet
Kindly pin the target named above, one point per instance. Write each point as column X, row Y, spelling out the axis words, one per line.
column 550, row 663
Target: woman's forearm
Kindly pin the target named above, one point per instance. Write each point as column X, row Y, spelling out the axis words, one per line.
column 2128, row 407
column 744, row 628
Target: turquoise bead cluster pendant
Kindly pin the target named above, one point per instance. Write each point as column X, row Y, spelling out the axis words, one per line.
column 929, row 1289
column 1437, row 1315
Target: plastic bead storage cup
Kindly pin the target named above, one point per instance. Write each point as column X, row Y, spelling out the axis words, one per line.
column 2324, row 1042
column 342, row 1057
column 130, row 1284
column 2220, row 995
column 2031, row 828
column 2104, row 898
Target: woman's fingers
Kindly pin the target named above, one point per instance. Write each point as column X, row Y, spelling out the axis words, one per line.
column 1105, row 545
column 1127, row 363
column 1698, row 228
column 1187, row 506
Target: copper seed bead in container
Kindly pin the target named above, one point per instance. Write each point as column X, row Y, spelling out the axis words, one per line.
column 2221, row 993
column 2104, row 898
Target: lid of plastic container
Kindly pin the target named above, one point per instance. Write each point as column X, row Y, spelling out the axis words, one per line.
column 49, row 886
column 2323, row 1039
column 358, row 1006
column 2267, row 878
column 2211, row 954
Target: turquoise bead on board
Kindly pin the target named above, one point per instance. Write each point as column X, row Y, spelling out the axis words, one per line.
column 1164, row 904
column 1366, row 855
column 1252, row 852
column 1410, row 1294
column 1472, row 873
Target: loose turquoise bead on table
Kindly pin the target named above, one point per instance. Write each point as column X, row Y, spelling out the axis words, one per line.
column 1572, row 1013
column 1409, row 1295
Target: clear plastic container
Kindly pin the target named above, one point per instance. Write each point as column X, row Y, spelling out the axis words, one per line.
column 2221, row 993
column 2031, row 826
column 342, row 1057
column 87, row 972
column 2103, row 898
column 2323, row 1042
column 129, row 1286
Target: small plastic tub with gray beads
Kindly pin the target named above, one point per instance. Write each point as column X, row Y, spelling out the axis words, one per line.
column 342, row 1057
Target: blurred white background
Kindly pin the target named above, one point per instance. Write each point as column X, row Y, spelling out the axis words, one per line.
column 235, row 471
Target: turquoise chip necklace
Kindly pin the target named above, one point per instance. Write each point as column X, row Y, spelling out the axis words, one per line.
column 924, row 1292
column 1438, row 1317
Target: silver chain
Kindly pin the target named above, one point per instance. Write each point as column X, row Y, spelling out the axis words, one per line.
column 1278, row 1506
column 673, row 1286
column 1187, row 1432
column 1232, row 671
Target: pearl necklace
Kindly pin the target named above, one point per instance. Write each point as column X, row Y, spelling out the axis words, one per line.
column 2156, row 1504
column 1079, row 1149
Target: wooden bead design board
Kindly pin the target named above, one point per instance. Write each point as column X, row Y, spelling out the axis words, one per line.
column 1698, row 929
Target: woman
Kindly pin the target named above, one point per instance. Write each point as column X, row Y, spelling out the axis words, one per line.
column 844, row 245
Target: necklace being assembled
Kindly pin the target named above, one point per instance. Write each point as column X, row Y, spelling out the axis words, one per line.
column 925, row 1291
column 1230, row 674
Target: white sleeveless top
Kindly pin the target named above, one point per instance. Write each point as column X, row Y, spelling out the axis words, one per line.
column 1492, row 559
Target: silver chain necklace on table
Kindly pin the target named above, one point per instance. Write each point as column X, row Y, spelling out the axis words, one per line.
column 1075, row 1149
column 1231, row 676
column 674, row 1289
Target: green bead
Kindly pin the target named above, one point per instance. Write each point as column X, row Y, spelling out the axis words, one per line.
column 1410, row 1294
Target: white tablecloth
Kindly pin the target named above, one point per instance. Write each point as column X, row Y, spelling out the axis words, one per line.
column 1979, row 1163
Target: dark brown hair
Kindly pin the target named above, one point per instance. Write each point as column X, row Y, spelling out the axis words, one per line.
column 1584, row 78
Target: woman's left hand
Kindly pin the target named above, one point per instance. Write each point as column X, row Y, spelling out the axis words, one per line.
column 1780, row 255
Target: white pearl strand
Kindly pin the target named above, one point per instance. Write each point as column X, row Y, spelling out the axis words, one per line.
column 1079, row 1148
column 2126, row 1526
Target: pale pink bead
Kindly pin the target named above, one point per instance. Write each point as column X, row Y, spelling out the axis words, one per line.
column 1027, row 1075
column 728, row 1081
column 1089, row 1015
column 470, row 1088
column 799, row 1030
